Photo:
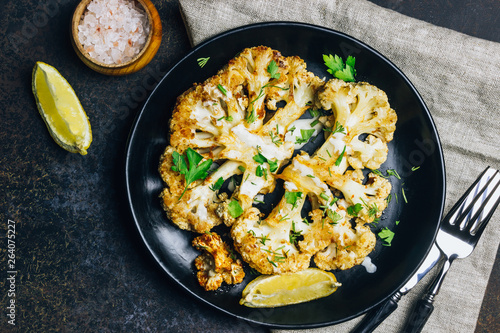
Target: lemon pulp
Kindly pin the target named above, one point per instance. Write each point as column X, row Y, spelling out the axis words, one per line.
column 287, row 289
column 61, row 109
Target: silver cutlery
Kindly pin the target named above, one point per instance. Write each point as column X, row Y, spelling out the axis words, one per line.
column 376, row 316
column 458, row 235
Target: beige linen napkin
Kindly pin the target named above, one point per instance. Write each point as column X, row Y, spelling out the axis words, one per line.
column 458, row 77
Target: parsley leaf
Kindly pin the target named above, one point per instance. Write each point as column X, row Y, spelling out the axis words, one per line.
column 217, row 185
column 334, row 216
column 354, row 210
column 306, row 135
column 195, row 170
column 337, row 68
column 387, row 235
column 272, row 69
column 259, row 158
column 292, row 197
column 235, row 209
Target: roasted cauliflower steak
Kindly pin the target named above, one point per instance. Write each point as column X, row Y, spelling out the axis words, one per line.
column 230, row 143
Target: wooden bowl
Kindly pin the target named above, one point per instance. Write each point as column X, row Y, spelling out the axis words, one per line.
column 139, row 61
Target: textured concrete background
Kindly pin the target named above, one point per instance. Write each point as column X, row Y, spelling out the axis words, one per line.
column 80, row 266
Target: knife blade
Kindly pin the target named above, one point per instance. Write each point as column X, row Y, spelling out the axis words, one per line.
column 378, row 314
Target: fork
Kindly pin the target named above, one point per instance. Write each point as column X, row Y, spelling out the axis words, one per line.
column 458, row 235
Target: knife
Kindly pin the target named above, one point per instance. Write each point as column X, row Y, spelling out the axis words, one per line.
column 377, row 315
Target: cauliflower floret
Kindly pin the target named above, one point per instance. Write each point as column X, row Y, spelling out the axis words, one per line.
column 194, row 210
column 222, row 119
column 358, row 109
column 216, row 264
column 370, row 197
column 284, row 241
column 349, row 248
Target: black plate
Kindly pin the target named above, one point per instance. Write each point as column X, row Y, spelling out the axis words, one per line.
column 415, row 143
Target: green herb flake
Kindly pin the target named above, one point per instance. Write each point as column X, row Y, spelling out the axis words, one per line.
column 202, row 61
column 392, row 172
column 272, row 69
column 235, row 209
column 415, row 168
column 194, row 171
column 241, row 168
column 292, row 197
column 222, row 89
column 339, row 159
column 305, row 136
column 217, row 185
column 354, row 210
column 386, row 235
column 334, row 216
column 337, row 68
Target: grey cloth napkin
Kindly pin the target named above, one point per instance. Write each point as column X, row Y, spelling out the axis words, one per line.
column 458, row 78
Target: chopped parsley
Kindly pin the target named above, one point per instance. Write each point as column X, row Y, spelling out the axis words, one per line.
column 217, row 185
column 192, row 170
column 386, row 235
column 222, row 89
column 334, row 216
column 305, row 136
column 415, row 168
column 339, row 69
column 235, row 209
column 337, row 129
column 339, row 159
column 292, row 197
column 354, row 210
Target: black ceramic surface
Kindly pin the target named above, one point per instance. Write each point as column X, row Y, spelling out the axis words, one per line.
column 415, row 144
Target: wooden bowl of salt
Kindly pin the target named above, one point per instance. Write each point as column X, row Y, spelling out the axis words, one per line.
column 116, row 37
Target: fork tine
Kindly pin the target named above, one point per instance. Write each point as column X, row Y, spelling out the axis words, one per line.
column 463, row 207
column 476, row 207
column 488, row 208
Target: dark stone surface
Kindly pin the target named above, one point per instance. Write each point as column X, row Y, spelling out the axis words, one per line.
column 80, row 266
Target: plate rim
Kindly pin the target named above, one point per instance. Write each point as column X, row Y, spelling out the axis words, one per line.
column 259, row 25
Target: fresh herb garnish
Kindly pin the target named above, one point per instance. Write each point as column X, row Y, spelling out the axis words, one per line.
column 337, row 129
column 387, row 235
column 261, row 159
column 337, row 68
column 404, row 195
column 235, row 209
column 339, row 159
column 392, row 172
column 334, row 216
column 194, row 171
column 222, row 89
column 241, row 168
column 314, row 113
column 415, row 168
column 354, row 210
column 372, row 210
column 217, row 185
column 324, row 196
column 292, row 197
column 272, row 69
column 306, row 135
column 202, row 61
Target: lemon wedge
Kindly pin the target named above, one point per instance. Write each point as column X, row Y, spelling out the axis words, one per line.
column 61, row 109
column 267, row 291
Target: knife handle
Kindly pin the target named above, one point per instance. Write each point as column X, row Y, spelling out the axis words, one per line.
column 373, row 318
column 419, row 316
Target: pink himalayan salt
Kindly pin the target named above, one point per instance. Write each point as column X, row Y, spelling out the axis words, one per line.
column 113, row 31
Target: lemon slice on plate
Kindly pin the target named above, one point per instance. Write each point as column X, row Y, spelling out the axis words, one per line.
column 61, row 109
column 268, row 291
